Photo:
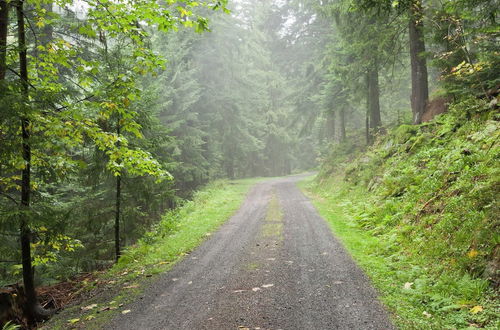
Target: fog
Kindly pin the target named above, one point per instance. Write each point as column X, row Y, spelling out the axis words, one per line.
column 273, row 89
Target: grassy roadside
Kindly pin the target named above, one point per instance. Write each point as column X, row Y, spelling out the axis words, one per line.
column 179, row 232
column 415, row 288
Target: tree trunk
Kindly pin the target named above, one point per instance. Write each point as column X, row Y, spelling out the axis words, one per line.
column 342, row 125
column 4, row 24
column 330, row 126
column 419, row 83
column 117, row 216
column 46, row 35
column 230, row 168
column 367, row 115
column 367, row 129
column 373, row 120
column 118, row 205
column 374, row 98
column 25, row 232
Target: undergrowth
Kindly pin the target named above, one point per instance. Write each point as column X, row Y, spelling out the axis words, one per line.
column 178, row 233
column 426, row 196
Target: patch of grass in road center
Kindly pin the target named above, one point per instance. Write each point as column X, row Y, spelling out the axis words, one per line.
column 416, row 291
column 253, row 266
column 273, row 225
column 274, row 229
column 175, row 236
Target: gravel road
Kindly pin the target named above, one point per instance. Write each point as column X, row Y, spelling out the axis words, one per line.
column 273, row 265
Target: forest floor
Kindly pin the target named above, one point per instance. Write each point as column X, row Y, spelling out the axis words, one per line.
column 273, row 265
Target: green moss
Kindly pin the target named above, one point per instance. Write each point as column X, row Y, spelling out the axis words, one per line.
column 404, row 132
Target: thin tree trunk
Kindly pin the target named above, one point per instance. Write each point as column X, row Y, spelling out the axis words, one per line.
column 419, row 83
column 367, row 117
column 25, row 233
column 374, row 96
column 117, row 216
column 330, row 126
column 4, row 24
column 342, row 125
column 46, row 35
column 118, row 205
column 230, row 169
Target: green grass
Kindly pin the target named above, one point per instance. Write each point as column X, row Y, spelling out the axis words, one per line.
column 420, row 208
column 179, row 232
column 434, row 299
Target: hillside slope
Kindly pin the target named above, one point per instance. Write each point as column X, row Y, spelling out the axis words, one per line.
column 427, row 196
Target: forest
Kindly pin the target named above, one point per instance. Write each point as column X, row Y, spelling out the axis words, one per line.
column 114, row 113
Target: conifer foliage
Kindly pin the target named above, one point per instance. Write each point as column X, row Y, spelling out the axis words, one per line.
column 113, row 112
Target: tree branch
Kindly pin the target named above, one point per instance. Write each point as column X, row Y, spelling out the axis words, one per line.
column 9, row 197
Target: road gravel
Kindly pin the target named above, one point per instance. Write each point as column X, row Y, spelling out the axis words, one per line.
column 274, row 265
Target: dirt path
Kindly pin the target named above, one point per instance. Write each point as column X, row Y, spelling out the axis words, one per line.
column 274, row 265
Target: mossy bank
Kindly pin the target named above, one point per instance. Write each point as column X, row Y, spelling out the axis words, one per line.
column 419, row 211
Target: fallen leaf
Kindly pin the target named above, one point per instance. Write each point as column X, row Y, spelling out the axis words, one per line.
column 73, row 321
column 89, row 307
column 190, row 282
column 407, row 285
column 126, row 311
column 476, row 309
column 428, row 315
column 267, row 285
column 472, row 253
column 133, row 286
